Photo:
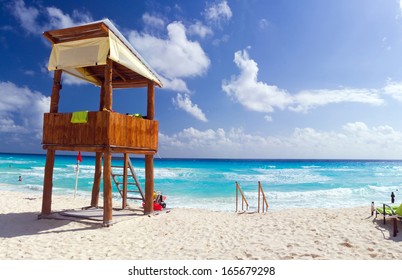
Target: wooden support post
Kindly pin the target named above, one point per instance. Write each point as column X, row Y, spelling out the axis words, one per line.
column 108, row 85
column 48, row 183
column 107, row 190
column 149, row 159
column 149, row 184
column 151, row 101
column 48, row 176
column 102, row 98
column 97, row 179
column 55, row 97
column 124, row 197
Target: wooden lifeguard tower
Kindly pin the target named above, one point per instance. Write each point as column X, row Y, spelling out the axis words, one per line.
column 98, row 53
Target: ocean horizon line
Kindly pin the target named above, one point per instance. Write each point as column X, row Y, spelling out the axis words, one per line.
column 133, row 156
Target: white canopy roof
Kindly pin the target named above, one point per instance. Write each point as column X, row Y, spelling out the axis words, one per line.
column 76, row 48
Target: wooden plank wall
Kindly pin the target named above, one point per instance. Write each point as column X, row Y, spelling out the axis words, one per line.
column 102, row 128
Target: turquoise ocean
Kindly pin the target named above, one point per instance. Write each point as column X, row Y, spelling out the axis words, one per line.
column 210, row 183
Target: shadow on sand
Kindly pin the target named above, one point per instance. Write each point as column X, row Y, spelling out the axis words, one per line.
column 387, row 228
column 27, row 223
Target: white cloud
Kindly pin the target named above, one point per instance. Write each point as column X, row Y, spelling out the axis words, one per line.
column 310, row 99
column 58, row 20
column 177, row 56
column 184, row 102
column 353, row 141
column 394, row 89
column 27, row 16
column 175, row 84
column 70, row 80
column 251, row 93
column 268, row 118
column 263, row 23
column 21, row 109
column 36, row 20
column 261, row 97
column 216, row 13
column 153, row 21
column 199, row 29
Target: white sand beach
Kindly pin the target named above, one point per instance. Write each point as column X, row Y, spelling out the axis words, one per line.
column 192, row 234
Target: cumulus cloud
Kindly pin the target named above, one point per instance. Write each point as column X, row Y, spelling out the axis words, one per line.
column 180, row 57
column 184, row 102
column 256, row 95
column 353, row 140
column 21, row 109
column 251, row 93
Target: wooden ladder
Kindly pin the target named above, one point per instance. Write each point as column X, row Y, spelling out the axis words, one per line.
column 124, row 176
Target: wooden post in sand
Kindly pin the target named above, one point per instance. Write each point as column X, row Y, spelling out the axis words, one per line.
column 107, row 155
column 107, row 190
column 124, row 196
column 48, row 176
column 149, row 159
column 97, row 179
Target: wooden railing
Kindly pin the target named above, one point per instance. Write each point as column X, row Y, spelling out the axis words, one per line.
column 261, row 196
column 103, row 129
column 243, row 198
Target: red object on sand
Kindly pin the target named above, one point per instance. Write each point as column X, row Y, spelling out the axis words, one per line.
column 157, row 206
column 79, row 157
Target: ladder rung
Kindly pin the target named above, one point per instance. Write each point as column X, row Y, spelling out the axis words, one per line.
column 130, row 174
column 136, row 198
column 128, row 183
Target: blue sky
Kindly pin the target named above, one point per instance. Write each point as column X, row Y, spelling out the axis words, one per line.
column 242, row 79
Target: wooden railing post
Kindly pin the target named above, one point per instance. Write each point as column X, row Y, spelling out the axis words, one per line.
column 264, row 199
column 243, row 198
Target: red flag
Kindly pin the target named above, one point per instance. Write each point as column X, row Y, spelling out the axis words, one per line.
column 79, row 157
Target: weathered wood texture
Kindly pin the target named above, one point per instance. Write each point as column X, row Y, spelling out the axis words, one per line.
column 102, row 129
column 107, row 190
column 97, row 179
column 48, row 184
column 149, row 184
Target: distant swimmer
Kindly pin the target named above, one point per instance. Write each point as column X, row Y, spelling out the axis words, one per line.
column 20, row 178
